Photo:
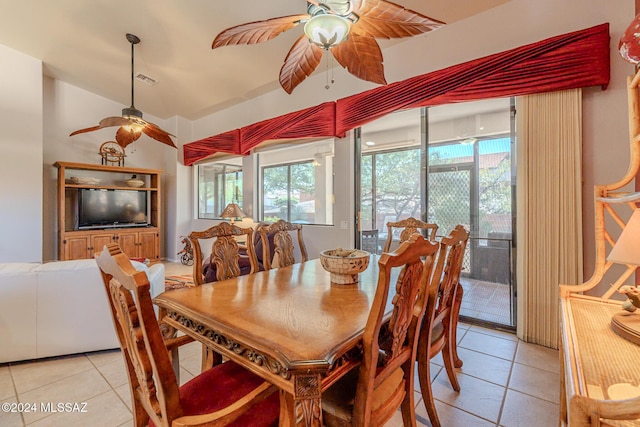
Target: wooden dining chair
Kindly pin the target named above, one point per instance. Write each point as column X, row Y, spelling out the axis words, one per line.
column 439, row 326
column 369, row 395
column 225, row 260
column 407, row 228
column 277, row 244
column 226, row 394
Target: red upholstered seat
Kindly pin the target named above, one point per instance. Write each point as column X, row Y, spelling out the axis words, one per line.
column 222, row 385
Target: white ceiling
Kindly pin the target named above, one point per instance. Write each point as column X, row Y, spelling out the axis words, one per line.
column 83, row 42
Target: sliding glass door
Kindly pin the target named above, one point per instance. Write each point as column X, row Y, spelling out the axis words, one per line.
column 448, row 165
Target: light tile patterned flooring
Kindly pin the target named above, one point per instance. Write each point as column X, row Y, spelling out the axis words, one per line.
column 504, row 382
column 486, row 301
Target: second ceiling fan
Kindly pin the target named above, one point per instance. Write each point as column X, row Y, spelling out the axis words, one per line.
column 346, row 27
column 131, row 123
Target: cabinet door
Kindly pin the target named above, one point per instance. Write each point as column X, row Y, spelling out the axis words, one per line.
column 98, row 241
column 76, row 247
column 148, row 245
column 128, row 242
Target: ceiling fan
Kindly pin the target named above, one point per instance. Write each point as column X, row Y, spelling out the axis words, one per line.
column 346, row 27
column 131, row 123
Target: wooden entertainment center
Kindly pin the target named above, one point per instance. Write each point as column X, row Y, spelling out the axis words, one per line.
column 136, row 242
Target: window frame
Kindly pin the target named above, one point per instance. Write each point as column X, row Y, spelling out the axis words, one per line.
column 319, row 155
column 219, row 193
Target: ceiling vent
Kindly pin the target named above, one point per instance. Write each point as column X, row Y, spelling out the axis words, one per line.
column 146, row 79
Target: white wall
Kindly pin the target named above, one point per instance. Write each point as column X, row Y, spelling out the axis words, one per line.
column 178, row 197
column 21, row 165
column 513, row 24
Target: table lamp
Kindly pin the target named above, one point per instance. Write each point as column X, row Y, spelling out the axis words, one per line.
column 627, row 251
column 232, row 211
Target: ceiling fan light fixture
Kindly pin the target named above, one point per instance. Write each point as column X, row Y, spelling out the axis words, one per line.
column 327, row 30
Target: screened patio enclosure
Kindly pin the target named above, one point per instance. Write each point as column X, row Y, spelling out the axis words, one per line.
column 447, row 165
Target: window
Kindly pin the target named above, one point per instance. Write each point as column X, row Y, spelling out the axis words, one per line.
column 219, row 184
column 391, row 182
column 297, row 183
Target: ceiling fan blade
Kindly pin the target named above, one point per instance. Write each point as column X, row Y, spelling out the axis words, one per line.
column 362, row 57
column 125, row 136
column 115, row 121
column 257, row 32
column 301, row 61
column 384, row 19
column 91, row 129
column 158, row 134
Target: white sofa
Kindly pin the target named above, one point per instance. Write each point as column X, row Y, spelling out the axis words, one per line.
column 58, row 308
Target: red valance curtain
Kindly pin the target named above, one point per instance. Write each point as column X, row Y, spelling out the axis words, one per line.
column 228, row 142
column 316, row 121
column 578, row 59
column 569, row 61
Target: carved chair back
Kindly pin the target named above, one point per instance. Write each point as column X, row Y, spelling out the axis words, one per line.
column 384, row 380
column 438, row 332
column 156, row 398
column 278, row 246
column 225, row 251
column 408, row 227
column 153, row 384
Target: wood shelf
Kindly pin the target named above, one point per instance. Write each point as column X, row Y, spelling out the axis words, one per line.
column 110, row 187
column 136, row 242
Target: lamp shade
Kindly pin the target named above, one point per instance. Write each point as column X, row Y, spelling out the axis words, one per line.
column 232, row 211
column 627, row 248
column 327, row 30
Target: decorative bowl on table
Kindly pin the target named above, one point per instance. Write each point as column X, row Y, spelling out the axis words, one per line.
column 134, row 182
column 85, row 180
column 344, row 264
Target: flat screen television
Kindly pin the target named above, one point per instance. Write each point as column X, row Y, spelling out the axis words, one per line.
column 111, row 208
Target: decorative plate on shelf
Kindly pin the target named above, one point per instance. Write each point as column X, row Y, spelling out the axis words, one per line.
column 85, row 180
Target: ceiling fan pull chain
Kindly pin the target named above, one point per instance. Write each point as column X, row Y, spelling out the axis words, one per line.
column 326, row 86
column 332, row 69
column 329, row 66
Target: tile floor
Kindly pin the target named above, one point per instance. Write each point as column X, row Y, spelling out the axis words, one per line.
column 487, row 301
column 504, row 382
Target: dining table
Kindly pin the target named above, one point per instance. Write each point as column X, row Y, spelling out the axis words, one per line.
column 291, row 326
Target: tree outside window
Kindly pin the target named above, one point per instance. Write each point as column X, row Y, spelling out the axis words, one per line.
column 296, row 182
column 289, row 193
